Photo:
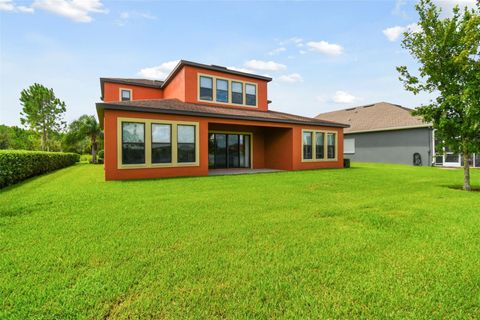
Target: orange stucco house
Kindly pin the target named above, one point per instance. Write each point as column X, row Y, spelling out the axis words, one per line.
column 204, row 118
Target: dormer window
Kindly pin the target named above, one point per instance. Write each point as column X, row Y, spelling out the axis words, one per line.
column 237, row 92
column 206, row 88
column 251, row 94
column 125, row 94
column 222, row 90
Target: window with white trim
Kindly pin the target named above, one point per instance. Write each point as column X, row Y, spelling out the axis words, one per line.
column 349, row 145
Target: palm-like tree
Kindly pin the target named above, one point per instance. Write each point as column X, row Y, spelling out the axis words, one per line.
column 83, row 127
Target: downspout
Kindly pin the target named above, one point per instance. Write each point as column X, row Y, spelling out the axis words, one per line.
column 431, row 152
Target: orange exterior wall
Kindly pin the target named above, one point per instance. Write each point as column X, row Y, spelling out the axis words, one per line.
column 275, row 145
column 184, row 87
column 191, row 88
column 111, row 92
column 278, row 149
column 175, row 89
column 298, row 149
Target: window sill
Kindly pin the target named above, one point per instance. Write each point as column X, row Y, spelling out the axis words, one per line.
column 320, row 160
column 159, row 165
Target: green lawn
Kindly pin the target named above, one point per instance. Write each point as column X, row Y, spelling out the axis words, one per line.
column 373, row 241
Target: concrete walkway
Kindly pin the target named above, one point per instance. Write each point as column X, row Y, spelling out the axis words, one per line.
column 222, row 172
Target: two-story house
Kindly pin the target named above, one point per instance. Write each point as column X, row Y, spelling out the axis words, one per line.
column 203, row 118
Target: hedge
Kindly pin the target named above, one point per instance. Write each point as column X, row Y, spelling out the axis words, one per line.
column 18, row 165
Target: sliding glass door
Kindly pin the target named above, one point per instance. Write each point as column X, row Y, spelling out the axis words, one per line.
column 227, row 150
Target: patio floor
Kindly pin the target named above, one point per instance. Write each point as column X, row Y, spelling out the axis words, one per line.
column 222, row 172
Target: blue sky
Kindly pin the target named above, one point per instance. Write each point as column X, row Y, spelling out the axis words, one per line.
column 323, row 55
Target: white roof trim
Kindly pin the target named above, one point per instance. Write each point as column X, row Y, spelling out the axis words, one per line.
column 426, row 125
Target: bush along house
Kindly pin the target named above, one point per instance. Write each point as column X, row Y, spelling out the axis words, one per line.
column 202, row 118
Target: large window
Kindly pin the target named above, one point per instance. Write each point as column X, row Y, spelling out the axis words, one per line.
column 206, row 88
column 222, row 90
column 307, row 145
column 186, row 143
column 319, row 145
column 151, row 143
column 126, row 94
column 161, row 143
column 331, row 140
column 133, row 143
column 251, row 94
column 237, row 92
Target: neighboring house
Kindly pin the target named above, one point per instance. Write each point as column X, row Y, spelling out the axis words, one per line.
column 388, row 133
column 207, row 117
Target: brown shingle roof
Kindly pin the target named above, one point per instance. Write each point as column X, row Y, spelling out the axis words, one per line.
column 174, row 106
column 139, row 82
column 375, row 117
column 135, row 82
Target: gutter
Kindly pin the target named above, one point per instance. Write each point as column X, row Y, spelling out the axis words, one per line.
column 427, row 125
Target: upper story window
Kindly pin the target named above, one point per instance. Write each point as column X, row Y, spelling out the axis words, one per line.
column 125, row 94
column 237, row 92
column 227, row 91
column 251, row 94
column 206, row 88
column 222, row 90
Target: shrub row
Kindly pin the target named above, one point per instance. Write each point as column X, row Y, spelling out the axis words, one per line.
column 18, row 165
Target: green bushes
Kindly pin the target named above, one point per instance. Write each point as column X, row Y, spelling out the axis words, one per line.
column 86, row 158
column 18, row 165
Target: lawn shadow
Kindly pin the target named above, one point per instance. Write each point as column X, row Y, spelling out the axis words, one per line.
column 460, row 187
column 34, row 178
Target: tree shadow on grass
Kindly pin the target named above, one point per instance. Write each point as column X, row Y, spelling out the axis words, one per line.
column 460, row 187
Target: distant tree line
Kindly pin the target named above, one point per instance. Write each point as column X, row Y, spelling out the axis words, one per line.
column 42, row 115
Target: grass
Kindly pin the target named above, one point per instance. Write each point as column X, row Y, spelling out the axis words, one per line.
column 373, row 241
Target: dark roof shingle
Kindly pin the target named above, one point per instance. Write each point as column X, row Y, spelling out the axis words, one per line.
column 375, row 117
column 174, row 106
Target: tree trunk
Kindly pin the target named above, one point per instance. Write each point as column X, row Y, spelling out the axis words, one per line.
column 94, row 149
column 43, row 139
column 466, row 172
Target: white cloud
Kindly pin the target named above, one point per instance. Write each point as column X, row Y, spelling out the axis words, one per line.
column 297, row 41
column 125, row 16
column 399, row 10
column 324, row 47
column 9, row 5
column 264, row 65
column 449, row 4
column 393, row 33
column 76, row 10
column 25, row 9
column 6, row 5
column 241, row 69
column 277, row 51
column 290, row 78
column 343, row 97
column 159, row 72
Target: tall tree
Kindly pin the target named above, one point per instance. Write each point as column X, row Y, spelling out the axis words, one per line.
column 42, row 111
column 447, row 50
column 85, row 127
